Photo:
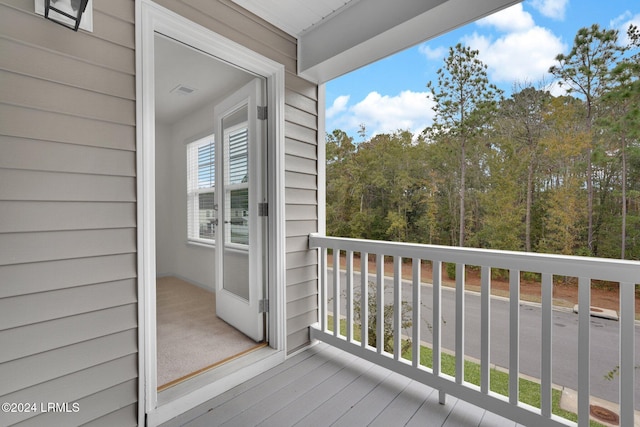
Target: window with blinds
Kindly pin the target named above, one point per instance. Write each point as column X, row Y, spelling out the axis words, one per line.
column 237, row 185
column 201, row 183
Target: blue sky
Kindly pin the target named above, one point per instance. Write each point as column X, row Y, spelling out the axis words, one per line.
column 518, row 44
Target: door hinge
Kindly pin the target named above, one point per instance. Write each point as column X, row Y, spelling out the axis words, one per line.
column 263, row 306
column 262, row 113
column 263, row 209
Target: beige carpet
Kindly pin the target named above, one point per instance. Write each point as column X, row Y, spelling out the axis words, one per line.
column 191, row 338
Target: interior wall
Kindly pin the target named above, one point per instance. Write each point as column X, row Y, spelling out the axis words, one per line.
column 174, row 255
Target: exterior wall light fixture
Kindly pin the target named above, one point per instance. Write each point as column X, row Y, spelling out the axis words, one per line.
column 67, row 13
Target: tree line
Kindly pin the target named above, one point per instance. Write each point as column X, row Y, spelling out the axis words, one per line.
column 528, row 172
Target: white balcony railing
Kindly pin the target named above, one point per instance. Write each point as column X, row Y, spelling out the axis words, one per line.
column 625, row 273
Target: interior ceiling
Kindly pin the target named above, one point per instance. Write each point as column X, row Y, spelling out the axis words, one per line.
column 178, row 64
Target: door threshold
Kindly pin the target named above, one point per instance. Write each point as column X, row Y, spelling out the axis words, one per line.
column 210, row 367
column 190, row 394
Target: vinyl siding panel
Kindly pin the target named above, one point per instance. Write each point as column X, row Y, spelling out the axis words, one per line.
column 16, row 248
column 25, row 91
column 68, row 289
column 302, row 180
column 29, row 309
column 46, row 186
column 124, row 417
column 301, row 212
column 46, row 336
column 25, row 216
column 301, row 149
column 48, row 126
column 58, row 157
column 40, row 63
column 22, row 279
column 119, row 398
column 76, row 386
column 36, row 369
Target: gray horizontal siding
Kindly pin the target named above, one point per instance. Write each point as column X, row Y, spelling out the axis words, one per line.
column 17, row 248
column 22, row 279
column 76, row 386
column 68, row 289
column 47, row 186
column 29, row 309
column 53, row 216
column 66, row 360
column 50, row 126
column 59, row 157
column 28, row 60
column 53, row 334
column 308, row 181
column 120, row 398
column 26, row 91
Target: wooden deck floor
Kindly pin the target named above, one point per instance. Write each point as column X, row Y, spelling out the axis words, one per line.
column 324, row 386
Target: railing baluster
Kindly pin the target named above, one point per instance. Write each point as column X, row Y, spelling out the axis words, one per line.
column 627, row 346
column 584, row 338
column 364, row 299
column 349, row 291
column 336, row 292
column 514, row 335
column 437, row 323
column 546, row 347
column 397, row 307
column 380, row 302
column 415, row 307
column 460, row 269
column 323, row 289
column 485, row 329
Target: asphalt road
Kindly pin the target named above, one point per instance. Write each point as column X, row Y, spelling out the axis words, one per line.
column 604, row 337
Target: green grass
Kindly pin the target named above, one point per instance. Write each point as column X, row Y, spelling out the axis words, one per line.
column 498, row 382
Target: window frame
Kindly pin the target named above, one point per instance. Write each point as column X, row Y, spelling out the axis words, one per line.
column 193, row 190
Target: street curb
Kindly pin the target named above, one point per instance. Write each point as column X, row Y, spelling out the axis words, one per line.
column 603, row 313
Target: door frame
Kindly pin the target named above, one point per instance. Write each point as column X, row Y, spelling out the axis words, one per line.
column 152, row 18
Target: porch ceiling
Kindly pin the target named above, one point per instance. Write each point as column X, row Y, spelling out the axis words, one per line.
column 339, row 36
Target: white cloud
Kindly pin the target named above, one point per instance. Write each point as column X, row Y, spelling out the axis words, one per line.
column 513, row 18
column 518, row 56
column 338, row 106
column 524, row 52
column 387, row 114
column 622, row 22
column 432, row 54
column 554, row 9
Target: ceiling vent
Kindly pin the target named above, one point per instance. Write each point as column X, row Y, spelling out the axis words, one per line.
column 182, row 90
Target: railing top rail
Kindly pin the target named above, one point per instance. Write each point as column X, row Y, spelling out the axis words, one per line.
column 623, row 271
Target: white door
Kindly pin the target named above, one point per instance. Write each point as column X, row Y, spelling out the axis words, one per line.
column 240, row 193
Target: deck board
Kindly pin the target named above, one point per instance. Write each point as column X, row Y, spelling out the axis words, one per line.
column 324, row 386
column 404, row 406
column 375, row 402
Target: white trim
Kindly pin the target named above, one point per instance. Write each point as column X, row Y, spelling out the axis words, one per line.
column 152, row 18
column 322, row 161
